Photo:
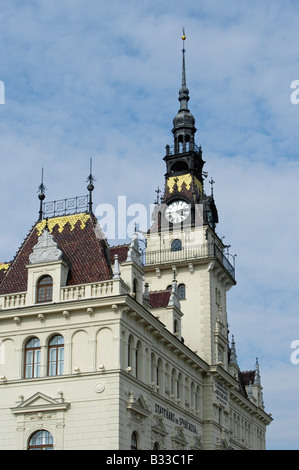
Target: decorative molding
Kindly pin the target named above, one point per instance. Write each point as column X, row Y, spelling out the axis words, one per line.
column 40, row 403
column 138, row 405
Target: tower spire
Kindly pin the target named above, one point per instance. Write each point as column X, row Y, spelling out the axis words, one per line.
column 184, row 122
column 183, row 65
column 184, row 92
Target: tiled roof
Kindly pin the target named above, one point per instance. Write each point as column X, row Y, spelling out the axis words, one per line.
column 159, row 299
column 79, row 237
column 244, row 379
column 121, row 251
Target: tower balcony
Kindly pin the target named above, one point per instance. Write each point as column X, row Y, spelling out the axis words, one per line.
column 207, row 251
column 188, row 147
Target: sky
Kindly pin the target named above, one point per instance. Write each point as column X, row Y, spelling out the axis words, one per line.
column 100, row 80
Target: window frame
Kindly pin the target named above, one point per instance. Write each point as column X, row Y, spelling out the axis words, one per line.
column 44, row 435
column 134, row 441
column 182, row 295
column 176, row 245
column 36, row 359
column 58, row 362
column 44, row 292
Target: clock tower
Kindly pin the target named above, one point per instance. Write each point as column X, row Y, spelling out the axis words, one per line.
column 183, row 245
column 184, row 198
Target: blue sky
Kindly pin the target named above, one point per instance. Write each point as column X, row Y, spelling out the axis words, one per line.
column 100, row 80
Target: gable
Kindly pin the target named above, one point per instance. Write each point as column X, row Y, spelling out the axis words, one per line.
column 138, row 405
column 38, row 403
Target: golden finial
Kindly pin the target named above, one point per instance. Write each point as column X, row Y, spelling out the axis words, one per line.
column 183, row 37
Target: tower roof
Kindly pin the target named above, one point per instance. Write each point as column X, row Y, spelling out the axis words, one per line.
column 81, row 240
column 184, row 119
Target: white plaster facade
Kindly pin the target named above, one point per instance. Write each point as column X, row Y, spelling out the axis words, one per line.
column 124, row 372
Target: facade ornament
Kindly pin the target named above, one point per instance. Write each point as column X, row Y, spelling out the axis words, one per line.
column 233, row 354
column 146, row 296
column 174, row 300
column 46, row 250
column 133, row 252
column 249, row 393
column 257, row 377
column 116, row 270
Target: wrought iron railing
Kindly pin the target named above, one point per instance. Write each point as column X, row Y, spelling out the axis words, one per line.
column 65, row 206
column 189, row 146
column 208, row 250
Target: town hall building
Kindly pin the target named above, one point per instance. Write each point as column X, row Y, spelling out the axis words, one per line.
column 112, row 348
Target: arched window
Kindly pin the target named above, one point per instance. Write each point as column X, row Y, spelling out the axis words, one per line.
column 197, row 398
column 181, row 146
column 182, row 291
column 160, row 376
column 192, row 395
column 179, row 166
column 156, row 446
column 44, row 291
column 176, row 245
column 153, row 369
column 187, row 140
column 138, row 362
column 136, row 289
column 130, row 351
column 134, row 441
column 179, row 387
column 173, row 382
column 32, row 358
column 56, row 355
column 41, row 440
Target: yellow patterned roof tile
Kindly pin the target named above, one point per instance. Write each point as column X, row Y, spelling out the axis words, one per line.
column 179, row 180
column 4, row 266
column 62, row 221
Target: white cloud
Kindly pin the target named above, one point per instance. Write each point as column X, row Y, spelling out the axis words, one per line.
column 102, row 82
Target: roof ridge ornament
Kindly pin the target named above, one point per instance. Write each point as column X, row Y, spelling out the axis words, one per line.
column 41, row 196
column 90, row 187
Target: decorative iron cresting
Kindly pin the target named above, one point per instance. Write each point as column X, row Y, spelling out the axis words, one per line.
column 66, row 206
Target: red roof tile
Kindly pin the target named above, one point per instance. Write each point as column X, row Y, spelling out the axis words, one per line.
column 159, row 299
column 121, row 251
column 244, row 379
column 2, row 273
column 86, row 252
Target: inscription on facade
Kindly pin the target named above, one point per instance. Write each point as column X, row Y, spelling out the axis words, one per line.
column 221, row 393
column 170, row 416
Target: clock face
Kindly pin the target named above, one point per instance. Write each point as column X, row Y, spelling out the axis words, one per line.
column 177, row 211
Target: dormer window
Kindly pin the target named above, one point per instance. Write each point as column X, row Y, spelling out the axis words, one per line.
column 44, row 289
